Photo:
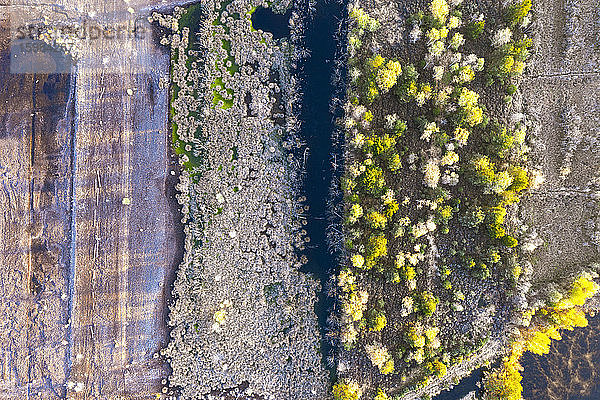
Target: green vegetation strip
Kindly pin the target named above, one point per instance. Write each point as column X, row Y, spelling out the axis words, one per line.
column 192, row 160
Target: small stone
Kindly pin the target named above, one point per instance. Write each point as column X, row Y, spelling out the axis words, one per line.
column 232, row 234
column 79, row 387
column 126, row 201
column 130, row 91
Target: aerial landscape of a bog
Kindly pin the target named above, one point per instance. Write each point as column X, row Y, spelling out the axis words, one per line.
column 300, row 199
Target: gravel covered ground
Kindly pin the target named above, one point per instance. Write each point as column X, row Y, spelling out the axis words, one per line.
column 560, row 94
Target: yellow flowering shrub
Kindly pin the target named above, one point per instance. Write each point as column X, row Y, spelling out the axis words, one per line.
column 436, row 367
column 415, row 337
column 376, row 220
column 356, row 211
column 449, row 158
column 355, row 304
column 439, row 9
column 347, row 390
column 468, row 98
column 381, row 395
column 387, row 76
column 583, row 288
column 465, row 75
column 474, row 116
column 358, row 261
column 375, row 62
column 518, row 11
column 461, row 135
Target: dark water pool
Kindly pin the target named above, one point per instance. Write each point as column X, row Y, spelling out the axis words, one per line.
column 464, row 387
column 268, row 21
column 317, row 129
column 570, row 372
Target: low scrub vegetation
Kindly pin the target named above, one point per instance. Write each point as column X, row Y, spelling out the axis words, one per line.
column 432, row 178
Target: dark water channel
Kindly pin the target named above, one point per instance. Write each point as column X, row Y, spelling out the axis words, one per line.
column 317, row 127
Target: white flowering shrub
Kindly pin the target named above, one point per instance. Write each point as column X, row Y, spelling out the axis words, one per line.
column 501, row 37
column 450, row 178
column 349, row 336
column 431, row 172
column 415, row 34
column 346, row 280
column 429, row 130
column 407, row 306
column 380, row 357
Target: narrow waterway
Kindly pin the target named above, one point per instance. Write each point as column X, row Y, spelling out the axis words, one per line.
column 317, row 130
column 315, row 72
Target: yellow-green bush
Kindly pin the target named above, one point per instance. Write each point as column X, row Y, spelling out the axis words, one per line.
column 347, row 390
column 518, row 11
